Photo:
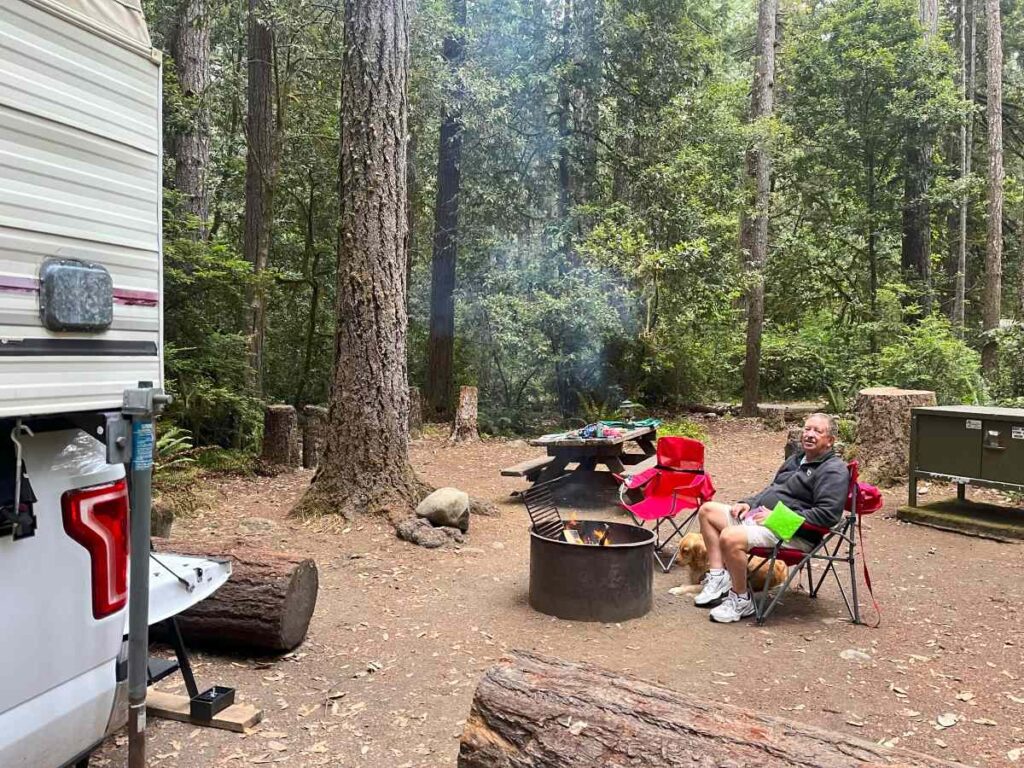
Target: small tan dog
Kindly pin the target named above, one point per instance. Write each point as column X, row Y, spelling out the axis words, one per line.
column 693, row 555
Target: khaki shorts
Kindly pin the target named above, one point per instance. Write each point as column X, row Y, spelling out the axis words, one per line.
column 759, row 536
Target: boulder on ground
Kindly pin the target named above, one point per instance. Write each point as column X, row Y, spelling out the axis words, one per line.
column 446, row 507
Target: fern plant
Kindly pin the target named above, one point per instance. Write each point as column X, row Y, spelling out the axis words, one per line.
column 173, row 450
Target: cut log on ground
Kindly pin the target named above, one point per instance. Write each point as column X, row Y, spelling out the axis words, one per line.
column 314, row 432
column 266, row 605
column 464, row 428
column 280, row 437
column 883, row 430
column 534, row 712
column 719, row 409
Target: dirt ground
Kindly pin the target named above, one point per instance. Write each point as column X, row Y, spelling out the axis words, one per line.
column 401, row 634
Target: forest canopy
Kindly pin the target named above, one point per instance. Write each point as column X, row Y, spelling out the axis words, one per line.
column 584, row 197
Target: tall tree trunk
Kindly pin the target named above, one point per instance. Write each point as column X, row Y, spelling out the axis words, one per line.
column 992, row 300
column 565, row 135
column 872, row 245
column 441, row 342
column 235, row 130
column 754, row 230
column 588, row 109
column 365, row 465
column 411, row 184
column 915, row 251
column 968, row 41
column 190, row 49
column 311, row 270
column 1020, row 274
column 259, row 173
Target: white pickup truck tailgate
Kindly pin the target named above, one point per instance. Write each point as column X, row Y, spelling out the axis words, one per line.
column 177, row 582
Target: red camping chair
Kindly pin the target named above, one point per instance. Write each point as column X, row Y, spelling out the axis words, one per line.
column 837, row 545
column 677, row 484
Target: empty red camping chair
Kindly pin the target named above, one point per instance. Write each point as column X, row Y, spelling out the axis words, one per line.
column 837, row 546
column 673, row 491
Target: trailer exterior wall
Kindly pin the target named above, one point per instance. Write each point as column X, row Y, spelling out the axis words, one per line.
column 80, row 164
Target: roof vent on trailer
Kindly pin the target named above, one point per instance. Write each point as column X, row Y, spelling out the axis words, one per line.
column 75, row 296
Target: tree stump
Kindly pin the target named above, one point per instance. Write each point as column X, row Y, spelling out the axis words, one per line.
column 883, row 430
column 280, row 437
column 265, row 606
column 464, row 428
column 772, row 416
column 314, row 432
column 415, row 412
column 536, row 712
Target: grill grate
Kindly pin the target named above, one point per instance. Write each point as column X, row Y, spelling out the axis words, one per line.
column 540, row 505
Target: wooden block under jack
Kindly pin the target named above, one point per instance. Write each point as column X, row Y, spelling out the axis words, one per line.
column 171, row 706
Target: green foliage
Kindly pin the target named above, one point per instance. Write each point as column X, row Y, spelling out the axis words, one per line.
column 930, row 356
column 791, row 367
column 226, row 461
column 592, row 408
column 847, row 430
column 173, row 450
column 175, row 479
column 836, row 400
column 1008, row 388
column 211, row 398
column 683, row 428
column 597, row 253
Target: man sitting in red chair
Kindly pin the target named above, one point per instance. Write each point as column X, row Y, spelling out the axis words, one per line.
column 813, row 483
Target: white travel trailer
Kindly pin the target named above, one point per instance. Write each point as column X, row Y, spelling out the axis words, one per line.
column 80, row 161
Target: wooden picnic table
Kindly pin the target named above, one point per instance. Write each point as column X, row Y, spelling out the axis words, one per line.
column 587, row 453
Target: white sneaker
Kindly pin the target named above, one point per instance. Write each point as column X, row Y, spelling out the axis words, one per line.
column 714, row 589
column 733, row 608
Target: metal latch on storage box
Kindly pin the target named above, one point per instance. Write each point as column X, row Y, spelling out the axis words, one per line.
column 993, row 440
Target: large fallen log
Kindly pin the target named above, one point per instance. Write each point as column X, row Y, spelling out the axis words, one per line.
column 265, row 606
column 534, row 712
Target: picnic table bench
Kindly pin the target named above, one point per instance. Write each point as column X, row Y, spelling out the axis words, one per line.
column 565, row 449
column 528, row 469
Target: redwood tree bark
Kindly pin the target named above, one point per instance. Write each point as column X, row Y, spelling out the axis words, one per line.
column 968, row 40
column 259, row 173
column 365, row 466
column 992, row 297
column 190, row 48
column 440, row 344
column 754, row 230
column 916, row 247
column 565, row 180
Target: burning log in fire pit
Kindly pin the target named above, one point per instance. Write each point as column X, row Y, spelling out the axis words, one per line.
column 592, row 535
column 592, row 570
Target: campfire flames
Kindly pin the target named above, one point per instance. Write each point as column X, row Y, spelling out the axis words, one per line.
column 573, row 533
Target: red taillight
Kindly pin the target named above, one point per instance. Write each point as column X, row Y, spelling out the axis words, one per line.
column 97, row 518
